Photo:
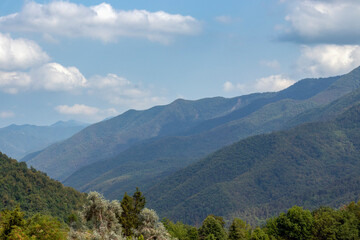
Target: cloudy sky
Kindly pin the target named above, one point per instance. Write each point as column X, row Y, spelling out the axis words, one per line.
column 88, row 60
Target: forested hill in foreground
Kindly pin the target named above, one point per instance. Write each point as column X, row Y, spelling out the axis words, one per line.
column 145, row 163
column 34, row 191
column 19, row 140
column 310, row 165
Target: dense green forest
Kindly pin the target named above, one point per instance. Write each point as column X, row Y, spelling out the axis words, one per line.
column 101, row 219
column 34, row 191
column 310, row 165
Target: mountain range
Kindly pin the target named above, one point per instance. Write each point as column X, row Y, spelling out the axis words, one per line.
column 311, row 165
column 147, row 162
column 19, row 140
column 167, row 151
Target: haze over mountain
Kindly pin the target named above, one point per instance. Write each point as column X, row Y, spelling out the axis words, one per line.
column 310, row 165
column 19, row 140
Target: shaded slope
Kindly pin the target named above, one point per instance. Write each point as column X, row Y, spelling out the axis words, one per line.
column 148, row 162
column 310, row 165
column 34, row 191
column 20, row 140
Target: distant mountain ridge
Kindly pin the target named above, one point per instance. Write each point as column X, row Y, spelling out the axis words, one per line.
column 139, row 148
column 20, row 140
column 147, row 162
column 310, row 165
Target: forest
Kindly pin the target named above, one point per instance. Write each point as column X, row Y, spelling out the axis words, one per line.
column 129, row 219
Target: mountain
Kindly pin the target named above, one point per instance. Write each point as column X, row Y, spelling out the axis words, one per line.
column 145, row 163
column 34, row 191
column 310, row 165
column 19, row 140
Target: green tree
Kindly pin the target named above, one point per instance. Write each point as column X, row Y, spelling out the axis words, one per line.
column 239, row 230
column 212, row 226
column 10, row 220
column 326, row 223
column 44, row 227
column 132, row 207
column 128, row 217
column 259, row 234
column 296, row 224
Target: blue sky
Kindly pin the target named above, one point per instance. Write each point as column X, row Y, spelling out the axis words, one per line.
column 88, row 60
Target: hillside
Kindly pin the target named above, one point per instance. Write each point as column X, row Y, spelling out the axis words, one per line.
column 310, row 165
column 34, row 191
column 19, row 140
column 146, row 163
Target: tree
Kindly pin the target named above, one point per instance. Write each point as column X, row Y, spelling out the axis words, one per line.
column 150, row 227
column 212, row 226
column 259, row 234
column 10, row 220
column 132, row 206
column 239, row 230
column 100, row 219
column 296, row 224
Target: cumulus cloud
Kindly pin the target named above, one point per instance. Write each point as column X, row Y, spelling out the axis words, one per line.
column 328, row 59
column 50, row 76
column 323, row 21
column 273, row 83
column 55, row 77
column 6, row 114
column 61, row 18
column 20, row 53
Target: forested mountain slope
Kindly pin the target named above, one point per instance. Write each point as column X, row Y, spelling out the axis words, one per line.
column 34, row 191
column 19, row 140
column 310, row 165
column 146, row 163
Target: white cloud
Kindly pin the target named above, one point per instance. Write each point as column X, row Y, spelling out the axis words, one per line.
column 84, row 112
column 50, row 76
column 122, row 92
column 273, row 83
column 230, row 87
column 20, row 53
column 101, row 21
column 323, row 21
column 7, row 114
column 328, row 60
column 77, row 109
column 13, row 82
column 55, row 77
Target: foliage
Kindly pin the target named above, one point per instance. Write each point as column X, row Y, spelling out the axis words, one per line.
column 130, row 216
column 100, row 219
column 13, row 225
column 239, row 230
column 212, row 226
column 150, row 227
column 34, row 191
